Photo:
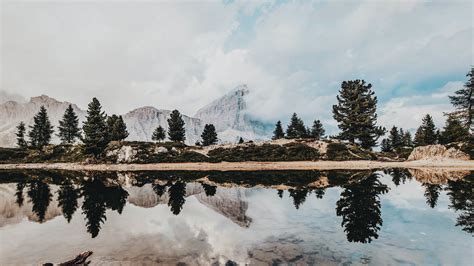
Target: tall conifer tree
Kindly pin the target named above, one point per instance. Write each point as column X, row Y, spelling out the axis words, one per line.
column 278, row 132
column 463, row 100
column 356, row 113
column 317, row 131
column 296, row 128
column 69, row 126
column 95, row 130
column 40, row 133
column 20, row 136
column 159, row 134
column 426, row 133
column 209, row 135
column 453, row 131
column 117, row 128
column 176, row 130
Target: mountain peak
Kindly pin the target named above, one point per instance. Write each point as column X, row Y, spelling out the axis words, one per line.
column 43, row 99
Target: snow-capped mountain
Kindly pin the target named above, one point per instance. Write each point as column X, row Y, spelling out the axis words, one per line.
column 229, row 116
column 227, row 113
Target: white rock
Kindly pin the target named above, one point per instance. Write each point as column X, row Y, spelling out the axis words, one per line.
column 126, row 154
column 161, row 150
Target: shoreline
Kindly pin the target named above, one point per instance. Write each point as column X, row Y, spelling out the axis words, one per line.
column 455, row 165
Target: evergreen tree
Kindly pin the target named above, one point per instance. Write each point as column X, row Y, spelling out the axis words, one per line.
column 356, row 113
column 40, row 133
column 407, row 141
column 95, row 130
column 93, row 206
column 317, row 131
column 278, row 132
column 463, row 100
column 159, row 134
column 241, row 140
column 395, row 138
column 426, row 133
column 280, row 193
column 385, row 145
column 453, row 131
column 159, row 189
column 209, row 135
column 20, row 136
column 176, row 131
column 359, row 206
column 117, row 128
column 69, row 126
column 296, row 128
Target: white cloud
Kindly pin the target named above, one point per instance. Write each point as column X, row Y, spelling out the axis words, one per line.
column 294, row 56
column 407, row 112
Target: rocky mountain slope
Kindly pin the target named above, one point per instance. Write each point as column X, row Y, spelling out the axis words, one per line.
column 227, row 113
column 229, row 116
column 12, row 112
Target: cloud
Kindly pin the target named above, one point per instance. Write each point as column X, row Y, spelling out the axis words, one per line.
column 292, row 55
column 408, row 111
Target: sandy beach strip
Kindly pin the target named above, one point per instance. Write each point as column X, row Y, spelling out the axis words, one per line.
column 248, row 166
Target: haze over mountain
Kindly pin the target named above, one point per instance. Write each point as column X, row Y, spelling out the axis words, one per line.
column 227, row 113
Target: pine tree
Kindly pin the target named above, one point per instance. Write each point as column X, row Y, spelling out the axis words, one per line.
column 296, row 128
column 117, row 128
column 20, row 136
column 177, row 197
column 317, row 131
column 176, row 131
column 385, row 145
column 95, row 130
column 209, row 135
column 463, row 100
column 278, row 132
column 241, row 140
column 395, row 138
column 40, row 133
column 407, row 140
column 453, row 131
column 69, row 126
column 159, row 134
column 426, row 133
column 356, row 113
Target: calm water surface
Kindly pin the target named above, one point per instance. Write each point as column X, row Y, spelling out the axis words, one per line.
column 386, row 217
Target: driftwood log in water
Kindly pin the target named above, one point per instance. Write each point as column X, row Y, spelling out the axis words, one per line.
column 80, row 259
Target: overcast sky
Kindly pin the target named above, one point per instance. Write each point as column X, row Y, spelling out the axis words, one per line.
column 292, row 55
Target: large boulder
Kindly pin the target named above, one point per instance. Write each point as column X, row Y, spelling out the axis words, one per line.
column 437, row 152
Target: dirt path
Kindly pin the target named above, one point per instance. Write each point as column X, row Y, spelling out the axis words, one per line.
column 249, row 166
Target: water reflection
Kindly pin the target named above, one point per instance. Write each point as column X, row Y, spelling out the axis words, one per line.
column 358, row 206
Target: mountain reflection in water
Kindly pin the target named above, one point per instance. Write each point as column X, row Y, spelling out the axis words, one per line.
column 41, row 196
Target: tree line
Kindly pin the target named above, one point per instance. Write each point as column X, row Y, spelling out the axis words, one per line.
column 98, row 129
column 356, row 115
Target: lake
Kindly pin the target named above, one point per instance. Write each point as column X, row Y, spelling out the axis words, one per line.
column 385, row 217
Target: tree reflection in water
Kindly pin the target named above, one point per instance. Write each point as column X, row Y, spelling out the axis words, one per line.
column 177, row 194
column 359, row 203
column 97, row 198
column 432, row 193
column 67, row 199
column 299, row 196
column 461, row 195
column 359, row 206
column 40, row 196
